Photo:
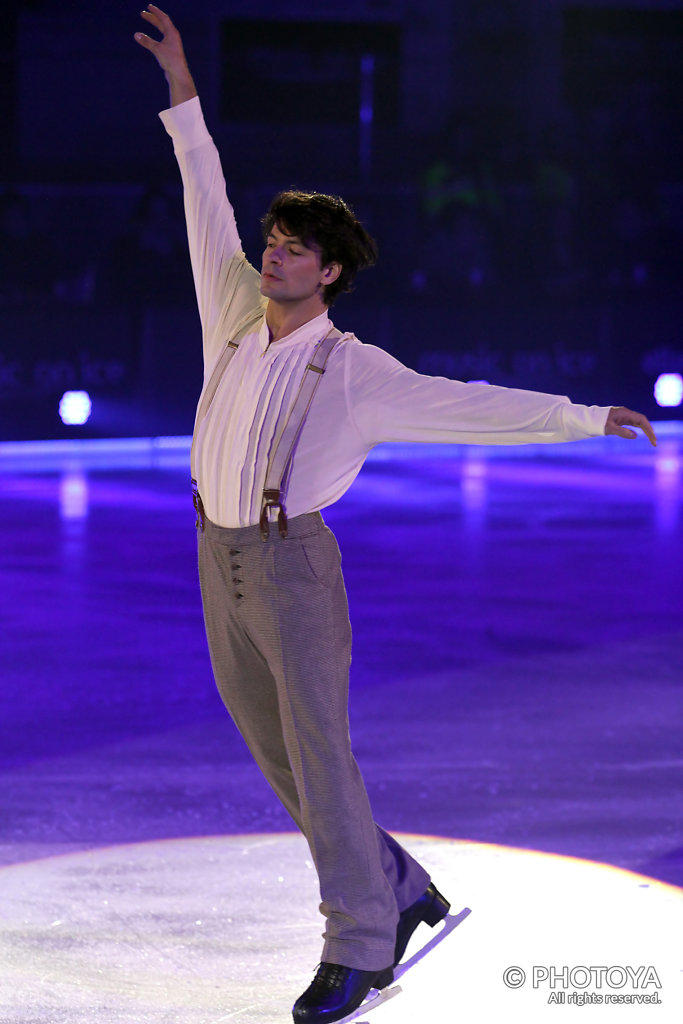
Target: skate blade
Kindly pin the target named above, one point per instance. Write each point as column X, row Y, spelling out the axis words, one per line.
column 371, row 1004
column 451, row 922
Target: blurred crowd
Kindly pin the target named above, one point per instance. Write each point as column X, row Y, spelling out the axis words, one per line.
column 573, row 215
column 578, row 212
column 143, row 262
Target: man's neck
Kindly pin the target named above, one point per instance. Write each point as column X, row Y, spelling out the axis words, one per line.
column 283, row 319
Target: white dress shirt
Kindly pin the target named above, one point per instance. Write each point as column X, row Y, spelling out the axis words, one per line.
column 365, row 396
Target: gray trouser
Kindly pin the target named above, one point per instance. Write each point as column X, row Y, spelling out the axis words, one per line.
column 279, row 635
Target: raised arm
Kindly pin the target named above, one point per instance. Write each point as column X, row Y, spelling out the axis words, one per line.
column 169, row 53
column 227, row 286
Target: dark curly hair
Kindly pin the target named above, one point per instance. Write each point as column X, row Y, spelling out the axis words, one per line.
column 331, row 225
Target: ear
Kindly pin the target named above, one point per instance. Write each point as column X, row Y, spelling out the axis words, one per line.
column 330, row 273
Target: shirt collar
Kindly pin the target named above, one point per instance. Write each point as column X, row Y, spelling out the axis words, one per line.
column 314, row 329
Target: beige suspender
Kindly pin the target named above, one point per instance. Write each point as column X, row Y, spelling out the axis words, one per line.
column 243, row 327
column 280, row 461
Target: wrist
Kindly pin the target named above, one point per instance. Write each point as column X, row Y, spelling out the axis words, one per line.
column 181, row 86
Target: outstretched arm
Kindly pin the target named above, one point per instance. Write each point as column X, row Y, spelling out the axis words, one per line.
column 620, row 419
column 169, row 53
column 389, row 402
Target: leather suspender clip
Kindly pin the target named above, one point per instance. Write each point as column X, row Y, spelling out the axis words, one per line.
column 198, row 506
column 273, row 499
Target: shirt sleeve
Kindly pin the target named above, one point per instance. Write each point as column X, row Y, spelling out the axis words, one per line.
column 389, row 402
column 226, row 284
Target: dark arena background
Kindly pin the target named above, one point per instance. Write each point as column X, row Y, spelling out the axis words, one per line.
column 517, row 682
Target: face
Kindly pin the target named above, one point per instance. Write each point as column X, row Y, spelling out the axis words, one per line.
column 290, row 270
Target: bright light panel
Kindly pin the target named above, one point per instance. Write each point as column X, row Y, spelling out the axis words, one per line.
column 75, row 408
column 669, row 389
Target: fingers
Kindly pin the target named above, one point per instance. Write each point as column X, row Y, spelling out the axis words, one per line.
column 636, row 419
column 620, row 419
column 649, row 432
column 157, row 17
column 169, row 49
column 143, row 40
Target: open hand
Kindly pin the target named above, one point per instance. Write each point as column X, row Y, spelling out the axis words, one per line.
column 169, row 49
column 620, row 419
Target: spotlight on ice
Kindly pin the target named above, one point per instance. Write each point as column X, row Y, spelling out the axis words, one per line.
column 669, row 389
column 74, row 408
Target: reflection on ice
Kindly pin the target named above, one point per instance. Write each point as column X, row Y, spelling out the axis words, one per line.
column 73, row 495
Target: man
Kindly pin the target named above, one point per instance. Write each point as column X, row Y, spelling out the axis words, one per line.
column 273, row 595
